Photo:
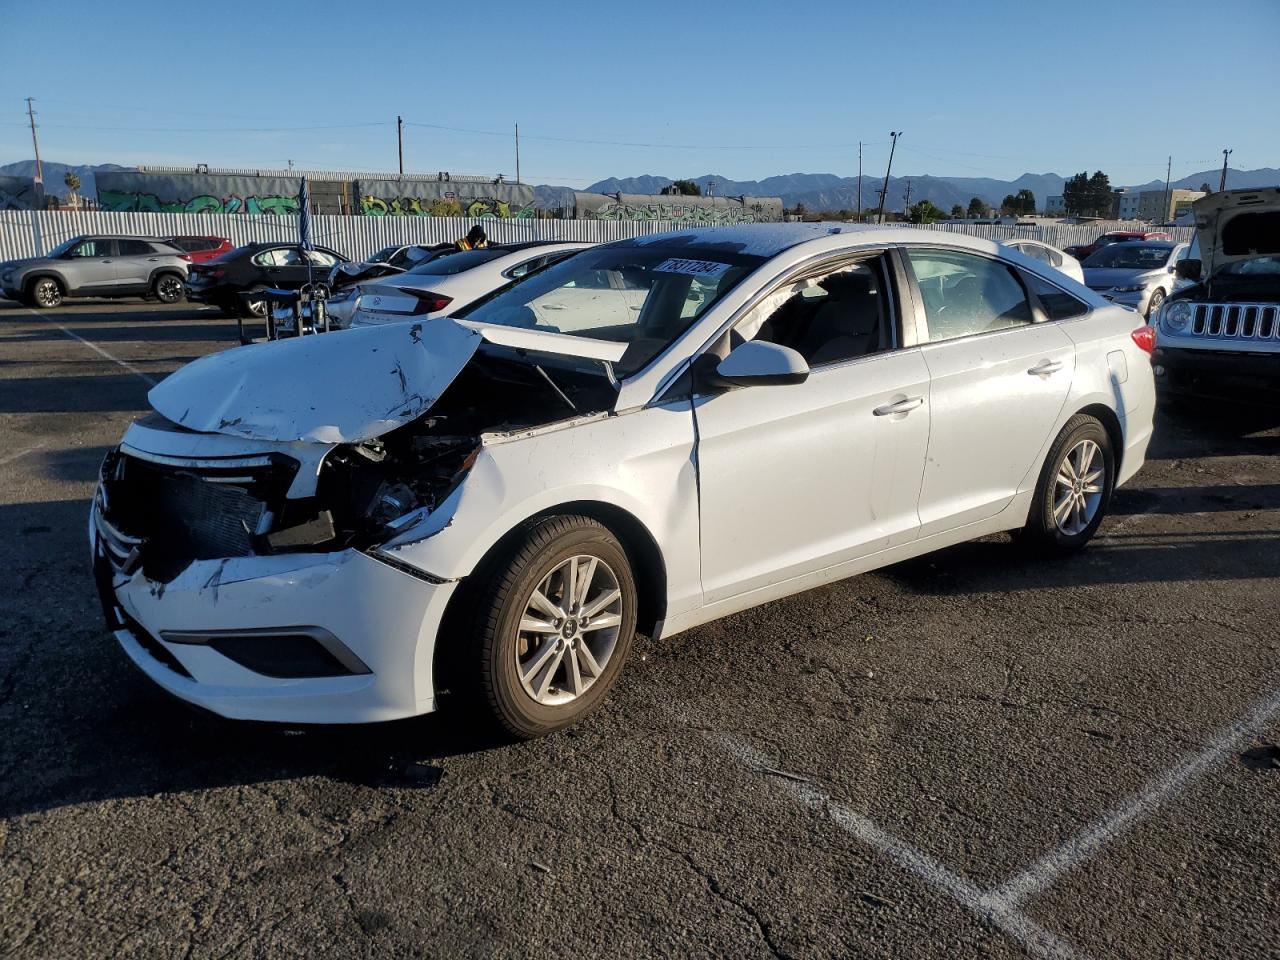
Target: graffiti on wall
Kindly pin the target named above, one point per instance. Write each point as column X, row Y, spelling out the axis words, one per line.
column 18, row 193
column 138, row 201
column 730, row 212
column 449, row 205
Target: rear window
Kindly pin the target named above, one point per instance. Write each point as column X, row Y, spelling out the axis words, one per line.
column 1057, row 303
column 456, row 263
column 1131, row 256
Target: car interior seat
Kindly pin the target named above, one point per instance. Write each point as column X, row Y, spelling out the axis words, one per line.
column 848, row 322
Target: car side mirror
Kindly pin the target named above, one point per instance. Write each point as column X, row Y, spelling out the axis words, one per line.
column 1188, row 269
column 758, row 363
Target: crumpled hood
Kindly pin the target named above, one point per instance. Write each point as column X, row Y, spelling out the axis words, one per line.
column 340, row 387
column 1236, row 225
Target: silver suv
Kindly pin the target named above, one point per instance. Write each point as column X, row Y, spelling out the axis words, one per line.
column 97, row 266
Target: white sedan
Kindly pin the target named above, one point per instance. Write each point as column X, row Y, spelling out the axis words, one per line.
column 337, row 529
column 449, row 283
column 1058, row 259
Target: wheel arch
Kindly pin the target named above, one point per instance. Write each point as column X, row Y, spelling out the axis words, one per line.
column 159, row 272
column 1111, row 423
column 30, row 279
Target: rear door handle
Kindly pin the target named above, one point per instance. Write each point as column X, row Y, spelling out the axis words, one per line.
column 1044, row 368
column 899, row 406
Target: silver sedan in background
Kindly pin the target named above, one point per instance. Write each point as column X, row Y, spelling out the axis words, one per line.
column 1137, row 273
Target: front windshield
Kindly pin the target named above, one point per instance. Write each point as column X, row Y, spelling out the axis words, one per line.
column 1106, row 240
column 1130, row 256
column 642, row 295
column 447, row 266
column 383, row 256
column 63, row 247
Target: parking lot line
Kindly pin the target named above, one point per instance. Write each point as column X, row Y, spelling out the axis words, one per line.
column 95, row 348
column 1086, row 844
column 1006, row 916
column 22, row 453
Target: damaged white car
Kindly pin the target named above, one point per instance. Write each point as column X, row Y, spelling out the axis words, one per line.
column 342, row 529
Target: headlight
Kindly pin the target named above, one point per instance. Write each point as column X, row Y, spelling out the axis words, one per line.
column 1175, row 316
column 1132, row 288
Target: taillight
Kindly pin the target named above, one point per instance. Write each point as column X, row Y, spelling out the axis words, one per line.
column 185, row 256
column 1145, row 338
column 428, row 302
column 214, row 273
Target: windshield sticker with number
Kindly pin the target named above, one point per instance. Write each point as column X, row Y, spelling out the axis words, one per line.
column 691, row 268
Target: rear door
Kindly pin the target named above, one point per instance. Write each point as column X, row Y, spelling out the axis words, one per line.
column 998, row 380
column 134, row 263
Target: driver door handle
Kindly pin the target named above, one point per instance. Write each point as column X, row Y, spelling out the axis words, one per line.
column 900, row 406
column 1044, row 368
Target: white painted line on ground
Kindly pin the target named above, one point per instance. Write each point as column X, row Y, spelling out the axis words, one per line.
column 22, row 453
column 1034, row 938
column 1086, row 844
column 95, row 348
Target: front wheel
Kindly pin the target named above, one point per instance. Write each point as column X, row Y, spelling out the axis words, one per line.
column 1074, row 489
column 46, row 293
column 1153, row 307
column 555, row 625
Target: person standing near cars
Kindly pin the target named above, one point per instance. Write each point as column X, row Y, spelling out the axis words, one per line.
column 474, row 240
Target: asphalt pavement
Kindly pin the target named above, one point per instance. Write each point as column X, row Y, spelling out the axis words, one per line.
column 973, row 754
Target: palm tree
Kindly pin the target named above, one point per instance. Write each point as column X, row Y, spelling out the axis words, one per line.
column 72, row 180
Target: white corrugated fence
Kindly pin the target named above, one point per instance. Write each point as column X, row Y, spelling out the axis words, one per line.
column 29, row 233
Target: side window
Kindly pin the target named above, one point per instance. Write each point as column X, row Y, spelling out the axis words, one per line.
column 521, row 269
column 135, row 248
column 267, row 258
column 322, row 259
column 95, row 248
column 965, row 294
column 828, row 318
column 1057, row 304
column 288, row 257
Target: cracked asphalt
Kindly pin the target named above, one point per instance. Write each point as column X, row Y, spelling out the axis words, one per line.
column 970, row 755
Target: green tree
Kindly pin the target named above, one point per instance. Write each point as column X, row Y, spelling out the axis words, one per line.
column 687, row 188
column 1205, row 188
column 977, row 207
column 1088, row 196
column 924, row 212
column 72, row 181
column 957, row 212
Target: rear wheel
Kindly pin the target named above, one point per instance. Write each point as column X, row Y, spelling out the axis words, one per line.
column 555, row 625
column 251, row 307
column 1075, row 488
column 168, row 288
column 45, row 293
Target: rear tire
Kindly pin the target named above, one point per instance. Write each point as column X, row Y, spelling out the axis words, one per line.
column 44, row 293
column 554, row 625
column 1153, row 307
column 168, row 288
column 252, row 309
column 1074, row 489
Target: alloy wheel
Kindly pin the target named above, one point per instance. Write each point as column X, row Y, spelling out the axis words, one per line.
column 1078, row 487
column 569, row 630
column 46, row 293
column 169, row 289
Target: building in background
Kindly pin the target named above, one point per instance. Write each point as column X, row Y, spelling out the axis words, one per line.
column 1055, row 206
column 1124, row 204
column 1157, row 206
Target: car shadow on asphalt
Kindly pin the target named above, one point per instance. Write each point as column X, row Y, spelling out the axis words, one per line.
column 90, row 393
column 1211, row 429
column 159, row 331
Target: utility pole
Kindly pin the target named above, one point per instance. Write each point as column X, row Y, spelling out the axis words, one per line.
column 1168, row 170
column 35, row 142
column 400, row 141
column 517, row 153
column 885, row 188
column 906, row 205
column 1222, row 183
column 859, row 180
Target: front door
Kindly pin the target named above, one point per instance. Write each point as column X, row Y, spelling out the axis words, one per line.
column 797, row 478
column 94, row 266
column 998, row 383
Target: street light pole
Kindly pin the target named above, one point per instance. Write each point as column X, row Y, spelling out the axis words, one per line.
column 1222, row 183
column 35, row 142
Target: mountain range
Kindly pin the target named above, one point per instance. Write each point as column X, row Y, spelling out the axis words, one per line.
column 817, row 191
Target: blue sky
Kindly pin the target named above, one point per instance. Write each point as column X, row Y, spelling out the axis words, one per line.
column 742, row 89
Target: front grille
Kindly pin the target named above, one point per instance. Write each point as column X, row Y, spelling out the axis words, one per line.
column 1236, row 321
column 168, row 515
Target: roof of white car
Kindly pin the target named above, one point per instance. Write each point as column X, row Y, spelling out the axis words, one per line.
column 770, row 239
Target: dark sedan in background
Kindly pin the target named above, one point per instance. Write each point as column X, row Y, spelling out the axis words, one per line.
column 230, row 281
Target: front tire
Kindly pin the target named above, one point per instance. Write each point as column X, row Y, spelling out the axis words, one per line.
column 250, row 308
column 45, row 293
column 1153, row 307
column 1074, row 489
column 555, row 624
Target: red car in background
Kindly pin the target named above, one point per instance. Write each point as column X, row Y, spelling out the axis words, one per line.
column 1082, row 250
column 202, row 249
